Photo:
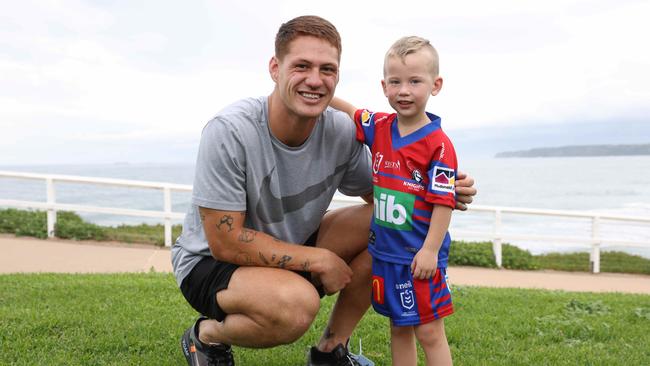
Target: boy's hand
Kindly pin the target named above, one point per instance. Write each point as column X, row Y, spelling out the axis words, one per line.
column 424, row 264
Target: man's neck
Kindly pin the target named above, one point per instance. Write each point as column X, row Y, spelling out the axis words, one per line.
column 285, row 125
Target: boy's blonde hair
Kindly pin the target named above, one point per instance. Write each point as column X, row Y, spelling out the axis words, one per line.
column 411, row 44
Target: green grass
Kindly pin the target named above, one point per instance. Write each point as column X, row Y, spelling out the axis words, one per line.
column 137, row 319
column 71, row 226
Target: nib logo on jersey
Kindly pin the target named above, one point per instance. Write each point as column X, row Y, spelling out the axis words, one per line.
column 393, row 209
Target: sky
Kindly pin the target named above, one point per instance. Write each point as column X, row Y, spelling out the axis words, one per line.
column 84, row 82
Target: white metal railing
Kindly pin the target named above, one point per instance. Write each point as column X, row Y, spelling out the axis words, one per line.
column 496, row 236
column 52, row 206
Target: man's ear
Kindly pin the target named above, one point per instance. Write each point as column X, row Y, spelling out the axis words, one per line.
column 274, row 68
column 437, row 85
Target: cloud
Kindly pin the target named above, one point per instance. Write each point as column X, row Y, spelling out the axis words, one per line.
column 107, row 72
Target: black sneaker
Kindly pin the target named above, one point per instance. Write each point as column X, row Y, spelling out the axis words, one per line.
column 199, row 354
column 339, row 356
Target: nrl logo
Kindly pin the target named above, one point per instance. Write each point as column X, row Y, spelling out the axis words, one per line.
column 407, row 299
column 378, row 158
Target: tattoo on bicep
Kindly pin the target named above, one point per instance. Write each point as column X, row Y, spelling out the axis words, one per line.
column 284, row 261
column 226, row 219
column 247, row 235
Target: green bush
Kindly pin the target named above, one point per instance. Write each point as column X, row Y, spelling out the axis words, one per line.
column 143, row 233
column 23, row 222
column 71, row 226
column 617, row 262
column 480, row 254
column 516, row 258
column 471, row 254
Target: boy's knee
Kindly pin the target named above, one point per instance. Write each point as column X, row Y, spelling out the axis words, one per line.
column 431, row 334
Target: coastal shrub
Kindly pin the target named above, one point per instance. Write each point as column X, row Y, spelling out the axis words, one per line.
column 471, row 254
column 480, row 254
column 71, row 226
column 617, row 262
column 514, row 257
column 142, row 233
column 23, row 222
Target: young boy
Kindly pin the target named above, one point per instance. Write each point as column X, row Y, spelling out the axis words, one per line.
column 414, row 168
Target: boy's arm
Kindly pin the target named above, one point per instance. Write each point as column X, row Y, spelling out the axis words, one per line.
column 343, row 106
column 425, row 261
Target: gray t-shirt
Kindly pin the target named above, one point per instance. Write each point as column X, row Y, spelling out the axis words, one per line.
column 284, row 190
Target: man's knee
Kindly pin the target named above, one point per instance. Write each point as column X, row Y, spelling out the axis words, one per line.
column 295, row 308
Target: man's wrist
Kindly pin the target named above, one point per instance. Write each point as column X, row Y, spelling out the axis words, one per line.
column 319, row 265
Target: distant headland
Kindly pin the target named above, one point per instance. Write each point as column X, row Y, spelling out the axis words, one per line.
column 578, row 150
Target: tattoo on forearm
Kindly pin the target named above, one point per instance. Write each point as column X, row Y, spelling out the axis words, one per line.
column 226, row 219
column 247, row 235
column 284, row 261
column 244, row 259
column 305, row 266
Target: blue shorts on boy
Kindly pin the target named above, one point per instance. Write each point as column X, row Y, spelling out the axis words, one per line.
column 411, row 175
column 409, row 301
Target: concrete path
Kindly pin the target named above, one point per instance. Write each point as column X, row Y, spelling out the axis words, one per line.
column 20, row 255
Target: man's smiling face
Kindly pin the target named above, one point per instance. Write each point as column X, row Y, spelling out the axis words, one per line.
column 306, row 76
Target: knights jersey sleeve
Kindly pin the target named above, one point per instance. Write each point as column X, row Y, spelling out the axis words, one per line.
column 365, row 122
column 442, row 172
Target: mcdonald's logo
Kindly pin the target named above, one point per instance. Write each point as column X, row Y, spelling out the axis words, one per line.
column 378, row 289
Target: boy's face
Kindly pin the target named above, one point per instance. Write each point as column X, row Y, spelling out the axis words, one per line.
column 307, row 75
column 408, row 84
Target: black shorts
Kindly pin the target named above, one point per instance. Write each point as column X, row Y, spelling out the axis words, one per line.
column 210, row 276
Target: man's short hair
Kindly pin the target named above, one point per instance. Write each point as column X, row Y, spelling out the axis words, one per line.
column 306, row 25
column 411, row 44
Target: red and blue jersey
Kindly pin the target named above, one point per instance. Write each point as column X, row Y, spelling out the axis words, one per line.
column 410, row 175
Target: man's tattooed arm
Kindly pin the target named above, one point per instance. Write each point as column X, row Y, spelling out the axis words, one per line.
column 247, row 235
column 231, row 241
column 226, row 221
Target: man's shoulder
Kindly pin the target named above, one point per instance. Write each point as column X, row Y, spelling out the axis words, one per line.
column 248, row 112
column 245, row 108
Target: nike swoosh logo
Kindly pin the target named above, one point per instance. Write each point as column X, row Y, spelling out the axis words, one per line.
column 276, row 207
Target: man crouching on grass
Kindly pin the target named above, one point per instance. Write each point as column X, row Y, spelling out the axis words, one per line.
column 259, row 248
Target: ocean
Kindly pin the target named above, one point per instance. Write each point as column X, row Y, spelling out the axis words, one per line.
column 603, row 185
